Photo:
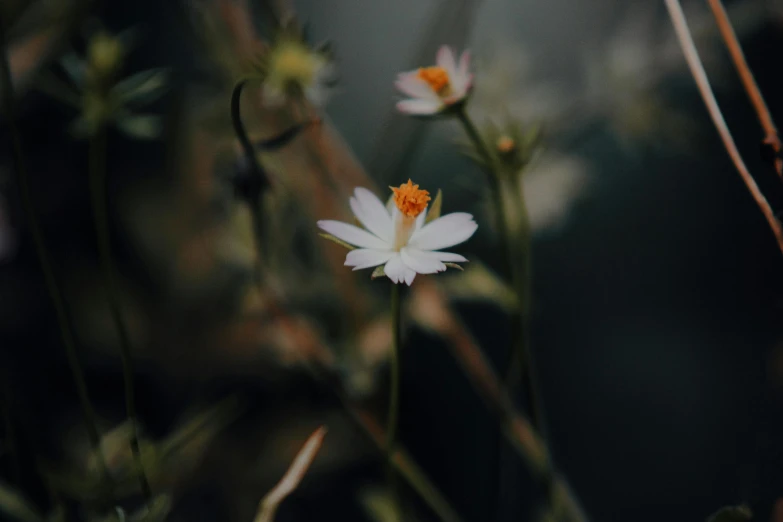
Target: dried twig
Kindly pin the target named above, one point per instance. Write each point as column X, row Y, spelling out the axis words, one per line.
column 749, row 83
column 697, row 70
column 430, row 308
column 292, row 478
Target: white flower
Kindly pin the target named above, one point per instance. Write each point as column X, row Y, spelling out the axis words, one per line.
column 295, row 69
column 433, row 89
column 400, row 240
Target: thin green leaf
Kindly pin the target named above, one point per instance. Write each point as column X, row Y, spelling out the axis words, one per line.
column 142, row 88
column 51, row 85
column 75, row 67
column 435, row 208
column 338, row 241
column 732, row 514
column 378, row 272
column 13, row 504
column 145, row 126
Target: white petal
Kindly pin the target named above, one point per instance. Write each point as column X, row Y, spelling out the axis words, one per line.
column 372, row 214
column 449, row 257
column 352, row 234
column 445, row 59
column 446, row 231
column 419, row 106
column 410, row 274
column 420, row 261
column 395, row 269
column 462, row 78
column 412, row 85
column 367, row 257
column 420, row 219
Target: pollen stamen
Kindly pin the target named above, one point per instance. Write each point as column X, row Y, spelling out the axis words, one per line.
column 410, row 199
column 437, row 78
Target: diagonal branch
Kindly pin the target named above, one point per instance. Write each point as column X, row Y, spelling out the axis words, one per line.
column 749, row 83
column 700, row 76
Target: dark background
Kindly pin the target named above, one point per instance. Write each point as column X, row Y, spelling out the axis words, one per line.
column 656, row 304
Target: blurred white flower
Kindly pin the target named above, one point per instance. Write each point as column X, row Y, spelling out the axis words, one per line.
column 506, row 87
column 436, row 88
column 551, row 184
column 400, row 240
column 293, row 68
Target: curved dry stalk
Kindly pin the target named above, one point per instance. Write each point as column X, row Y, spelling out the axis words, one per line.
column 700, row 76
column 292, row 478
column 748, row 82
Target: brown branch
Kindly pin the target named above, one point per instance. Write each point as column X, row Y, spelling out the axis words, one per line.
column 430, row 310
column 700, row 76
column 749, row 83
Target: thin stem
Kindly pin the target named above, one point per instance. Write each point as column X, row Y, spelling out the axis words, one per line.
column 255, row 182
column 697, row 70
column 748, row 82
column 394, row 392
column 97, row 166
column 517, row 269
column 66, row 333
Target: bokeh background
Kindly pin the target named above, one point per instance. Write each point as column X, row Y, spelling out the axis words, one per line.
column 656, row 289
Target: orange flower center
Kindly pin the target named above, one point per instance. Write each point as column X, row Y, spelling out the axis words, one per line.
column 505, row 144
column 410, row 199
column 436, row 77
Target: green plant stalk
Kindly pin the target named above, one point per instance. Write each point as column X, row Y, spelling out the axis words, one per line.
column 99, row 195
column 517, row 266
column 394, row 393
column 66, row 333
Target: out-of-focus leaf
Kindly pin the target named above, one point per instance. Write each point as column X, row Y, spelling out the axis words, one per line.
column 51, row 85
column 292, row 478
column 480, row 283
column 142, row 88
column 435, row 208
column 80, row 128
column 330, row 237
column 16, row 506
column 378, row 272
column 732, row 514
column 75, row 67
column 141, row 126
column 380, row 505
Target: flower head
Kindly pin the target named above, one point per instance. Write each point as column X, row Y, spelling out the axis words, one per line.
column 102, row 96
column 403, row 240
column 292, row 68
column 436, row 88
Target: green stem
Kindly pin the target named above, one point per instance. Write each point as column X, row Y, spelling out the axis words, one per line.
column 517, row 269
column 256, row 183
column 99, row 194
column 66, row 333
column 394, row 392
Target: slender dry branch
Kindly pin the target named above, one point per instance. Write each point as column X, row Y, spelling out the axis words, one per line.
column 292, row 478
column 430, row 309
column 749, row 83
column 697, row 70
